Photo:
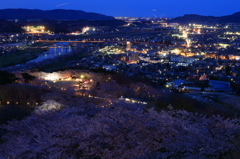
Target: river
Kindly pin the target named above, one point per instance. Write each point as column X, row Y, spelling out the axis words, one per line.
column 56, row 49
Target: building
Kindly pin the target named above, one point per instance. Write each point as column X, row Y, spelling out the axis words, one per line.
column 219, row 85
column 132, row 57
column 128, row 46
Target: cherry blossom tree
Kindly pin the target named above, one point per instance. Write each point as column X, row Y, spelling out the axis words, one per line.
column 120, row 131
column 49, row 105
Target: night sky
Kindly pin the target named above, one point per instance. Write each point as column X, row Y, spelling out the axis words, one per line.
column 134, row 8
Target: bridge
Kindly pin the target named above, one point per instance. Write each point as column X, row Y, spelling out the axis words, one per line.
column 98, row 41
column 69, row 41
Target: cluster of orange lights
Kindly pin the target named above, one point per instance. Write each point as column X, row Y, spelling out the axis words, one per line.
column 33, row 29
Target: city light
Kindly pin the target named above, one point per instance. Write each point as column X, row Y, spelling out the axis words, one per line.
column 52, row 77
column 34, row 29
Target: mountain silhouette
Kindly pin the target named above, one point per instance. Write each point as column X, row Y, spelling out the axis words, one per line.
column 57, row 14
column 194, row 18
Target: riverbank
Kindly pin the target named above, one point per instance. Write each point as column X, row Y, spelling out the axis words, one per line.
column 59, row 64
column 21, row 56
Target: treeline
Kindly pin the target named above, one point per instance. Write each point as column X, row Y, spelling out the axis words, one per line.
column 12, row 93
column 10, row 27
column 20, row 94
column 17, row 100
column 72, row 26
column 56, row 26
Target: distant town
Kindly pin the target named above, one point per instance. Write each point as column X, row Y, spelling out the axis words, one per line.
column 122, row 70
column 152, row 49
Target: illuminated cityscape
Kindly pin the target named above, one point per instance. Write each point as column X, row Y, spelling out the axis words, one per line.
column 76, row 84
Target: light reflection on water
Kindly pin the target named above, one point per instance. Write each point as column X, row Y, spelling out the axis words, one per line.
column 57, row 49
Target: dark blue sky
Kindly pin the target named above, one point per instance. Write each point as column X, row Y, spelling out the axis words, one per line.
column 147, row 8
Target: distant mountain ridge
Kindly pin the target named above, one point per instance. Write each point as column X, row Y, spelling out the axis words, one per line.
column 194, row 18
column 57, row 14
